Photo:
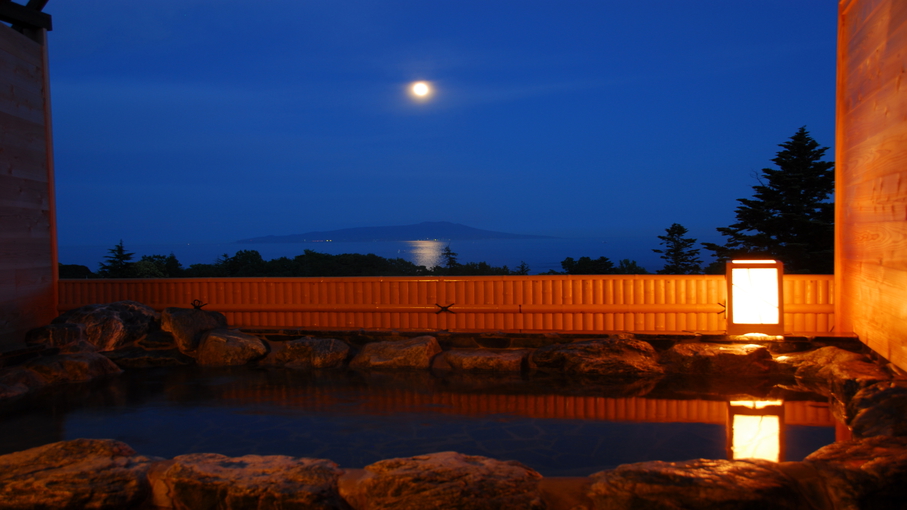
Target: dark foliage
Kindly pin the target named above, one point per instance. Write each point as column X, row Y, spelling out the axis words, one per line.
column 679, row 255
column 790, row 217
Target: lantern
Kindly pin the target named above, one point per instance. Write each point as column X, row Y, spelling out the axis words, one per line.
column 755, row 304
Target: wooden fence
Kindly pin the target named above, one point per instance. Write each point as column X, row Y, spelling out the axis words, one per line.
column 517, row 304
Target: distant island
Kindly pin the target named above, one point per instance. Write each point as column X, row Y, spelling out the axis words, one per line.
column 428, row 230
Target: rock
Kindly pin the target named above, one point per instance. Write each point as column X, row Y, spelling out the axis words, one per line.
column 82, row 473
column 879, row 410
column 849, row 377
column 56, row 335
column 210, row 480
column 136, row 357
column 718, row 359
column 411, row 353
column 307, row 353
column 870, row 473
column 157, row 340
column 695, row 484
column 831, row 371
column 187, row 325
column 110, row 326
column 811, row 365
column 72, row 368
column 226, row 347
column 17, row 381
column 481, row 360
column 606, row 356
column 445, row 480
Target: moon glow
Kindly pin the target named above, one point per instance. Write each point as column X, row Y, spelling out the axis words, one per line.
column 420, row 89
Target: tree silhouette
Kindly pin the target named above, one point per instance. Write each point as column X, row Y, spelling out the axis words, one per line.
column 790, row 217
column 679, row 255
column 586, row 265
column 118, row 263
column 450, row 259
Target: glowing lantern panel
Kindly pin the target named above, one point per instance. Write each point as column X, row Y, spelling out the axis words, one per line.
column 754, row 297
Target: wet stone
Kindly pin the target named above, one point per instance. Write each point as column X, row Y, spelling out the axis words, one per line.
column 481, row 360
column 869, row 473
column 617, row 356
column 136, row 357
column 210, row 480
column 406, row 354
column 879, row 410
column 718, row 359
column 113, row 325
column 187, row 325
column 695, row 484
column 307, row 354
column 445, row 480
column 77, row 474
column 228, row 347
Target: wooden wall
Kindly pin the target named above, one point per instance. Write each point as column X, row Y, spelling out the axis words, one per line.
column 871, row 186
column 517, row 304
column 27, row 227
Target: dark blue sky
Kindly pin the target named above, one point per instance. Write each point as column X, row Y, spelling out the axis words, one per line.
column 204, row 120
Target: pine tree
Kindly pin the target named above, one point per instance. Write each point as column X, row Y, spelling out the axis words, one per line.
column 679, row 255
column 790, row 217
column 450, row 260
column 118, row 263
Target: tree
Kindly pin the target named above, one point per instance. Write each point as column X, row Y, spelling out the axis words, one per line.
column 118, row 263
column 679, row 255
column 627, row 266
column 450, row 259
column 790, row 217
column 522, row 269
column 586, row 265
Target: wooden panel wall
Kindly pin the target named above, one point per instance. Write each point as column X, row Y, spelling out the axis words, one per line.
column 27, row 236
column 871, row 185
column 593, row 303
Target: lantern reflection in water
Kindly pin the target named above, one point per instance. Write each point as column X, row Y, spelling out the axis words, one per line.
column 755, row 430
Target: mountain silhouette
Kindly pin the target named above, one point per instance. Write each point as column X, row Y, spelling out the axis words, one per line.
column 428, row 230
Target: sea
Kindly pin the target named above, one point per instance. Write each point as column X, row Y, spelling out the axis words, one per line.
column 541, row 255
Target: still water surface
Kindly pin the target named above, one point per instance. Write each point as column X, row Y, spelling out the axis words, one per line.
column 356, row 419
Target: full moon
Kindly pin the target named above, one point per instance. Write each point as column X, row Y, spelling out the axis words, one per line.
column 421, row 89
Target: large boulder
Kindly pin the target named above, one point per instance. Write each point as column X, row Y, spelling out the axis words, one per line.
column 227, row 347
column 137, row 357
column 482, row 360
column 718, row 359
column 445, row 480
column 307, row 353
column 832, row 371
column 210, row 480
column 879, row 410
column 113, row 325
column 813, row 365
column 696, row 484
column 870, row 473
column 82, row 473
column 411, row 353
column 56, row 335
column 72, row 368
column 605, row 356
column 17, row 381
column 187, row 325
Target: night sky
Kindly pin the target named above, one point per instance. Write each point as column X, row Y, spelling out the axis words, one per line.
column 210, row 121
